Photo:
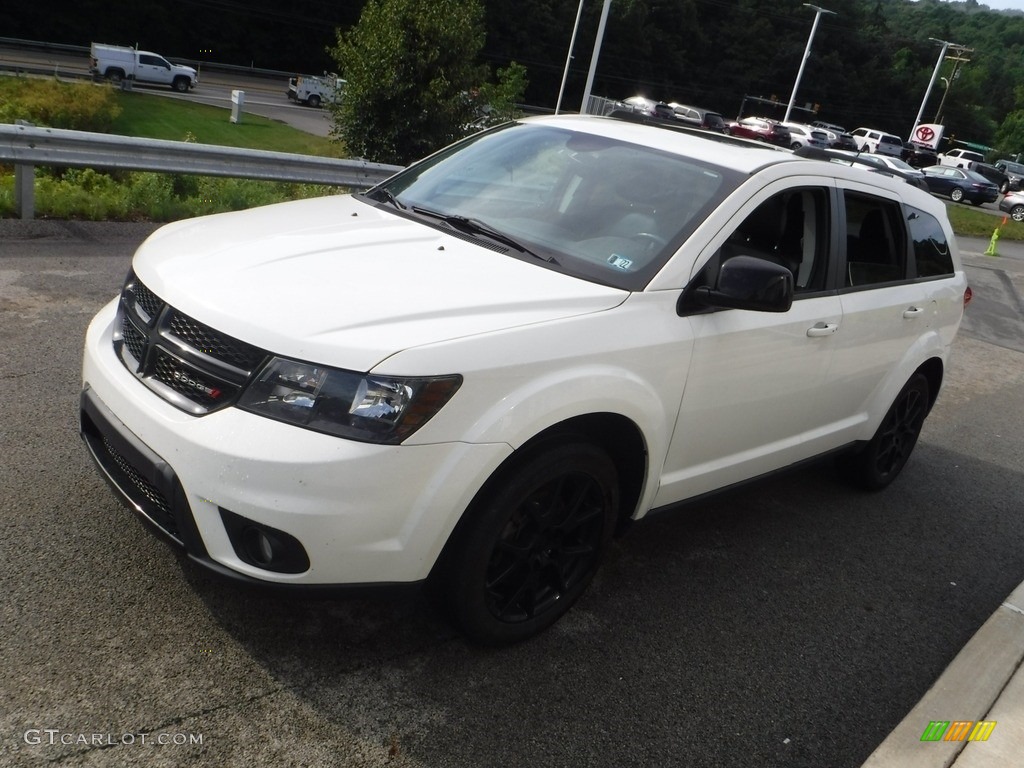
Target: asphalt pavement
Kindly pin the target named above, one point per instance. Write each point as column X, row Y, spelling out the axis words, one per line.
column 792, row 623
column 973, row 716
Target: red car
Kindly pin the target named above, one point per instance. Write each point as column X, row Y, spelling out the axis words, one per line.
column 762, row 129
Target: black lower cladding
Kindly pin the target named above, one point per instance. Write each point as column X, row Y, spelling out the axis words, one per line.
column 144, row 481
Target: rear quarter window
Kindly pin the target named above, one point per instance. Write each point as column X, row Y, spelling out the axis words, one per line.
column 931, row 248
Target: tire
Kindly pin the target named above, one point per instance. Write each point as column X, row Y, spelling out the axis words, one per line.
column 530, row 543
column 795, row 145
column 1017, row 213
column 180, row 84
column 1004, row 187
column 313, row 100
column 956, row 195
column 878, row 463
column 115, row 76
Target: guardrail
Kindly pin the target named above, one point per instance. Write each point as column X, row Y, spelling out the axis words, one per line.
column 28, row 146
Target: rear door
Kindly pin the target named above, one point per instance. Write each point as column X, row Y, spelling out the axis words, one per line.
column 897, row 294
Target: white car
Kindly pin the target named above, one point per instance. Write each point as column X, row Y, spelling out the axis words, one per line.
column 475, row 373
column 806, row 136
column 878, row 142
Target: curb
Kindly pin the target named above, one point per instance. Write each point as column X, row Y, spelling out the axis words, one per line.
column 981, row 683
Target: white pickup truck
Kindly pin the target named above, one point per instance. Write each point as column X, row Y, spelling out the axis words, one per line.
column 314, row 90
column 117, row 63
column 960, row 158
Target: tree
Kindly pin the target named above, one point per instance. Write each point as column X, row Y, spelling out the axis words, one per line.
column 412, row 76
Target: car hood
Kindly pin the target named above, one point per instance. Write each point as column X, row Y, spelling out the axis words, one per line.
column 337, row 281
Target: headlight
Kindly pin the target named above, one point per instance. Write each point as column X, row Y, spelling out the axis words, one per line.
column 373, row 409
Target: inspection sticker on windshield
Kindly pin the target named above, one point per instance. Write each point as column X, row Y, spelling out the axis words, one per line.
column 620, row 262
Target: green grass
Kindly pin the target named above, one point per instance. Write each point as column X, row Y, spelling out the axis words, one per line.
column 971, row 223
column 158, row 117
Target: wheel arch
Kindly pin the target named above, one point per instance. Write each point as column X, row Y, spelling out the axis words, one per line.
column 933, row 370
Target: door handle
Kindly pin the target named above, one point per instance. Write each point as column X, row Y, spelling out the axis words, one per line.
column 822, row 329
column 912, row 312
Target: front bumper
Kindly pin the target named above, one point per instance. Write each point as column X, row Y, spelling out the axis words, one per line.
column 362, row 513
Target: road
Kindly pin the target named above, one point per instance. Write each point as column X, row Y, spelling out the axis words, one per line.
column 262, row 96
column 792, row 623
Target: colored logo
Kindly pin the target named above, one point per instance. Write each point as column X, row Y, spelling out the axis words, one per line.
column 958, row 730
column 925, row 134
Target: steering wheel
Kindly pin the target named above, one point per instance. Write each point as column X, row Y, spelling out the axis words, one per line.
column 653, row 241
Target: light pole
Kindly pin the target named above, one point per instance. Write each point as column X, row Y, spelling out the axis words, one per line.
column 807, row 52
column 568, row 58
column 593, row 58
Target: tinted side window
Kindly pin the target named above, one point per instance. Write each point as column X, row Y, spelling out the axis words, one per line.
column 875, row 240
column 931, row 249
column 789, row 229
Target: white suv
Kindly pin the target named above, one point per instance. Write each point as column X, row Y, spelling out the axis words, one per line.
column 476, row 372
column 879, row 142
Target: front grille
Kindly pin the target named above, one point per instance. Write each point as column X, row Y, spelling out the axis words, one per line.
column 189, row 364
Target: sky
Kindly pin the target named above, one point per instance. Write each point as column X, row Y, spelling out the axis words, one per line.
column 1003, row 5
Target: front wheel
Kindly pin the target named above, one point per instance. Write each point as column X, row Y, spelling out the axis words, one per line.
column 530, row 543
column 1004, row 188
column 879, row 462
column 1017, row 213
column 181, row 84
column 956, row 195
column 313, row 100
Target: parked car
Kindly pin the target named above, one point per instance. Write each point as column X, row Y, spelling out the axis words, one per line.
column 992, row 173
column 806, row 136
column 918, row 156
column 476, row 372
column 838, row 137
column 1014, row 173
column 650, row 107
column 890, row 166
column 761, row 129
column 960, row 158
column 1013, row 204
column 698, row 117
column 960, row 185
column 879, row 142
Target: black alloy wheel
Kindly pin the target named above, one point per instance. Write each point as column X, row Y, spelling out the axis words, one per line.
column 531, row 543
column 883, row 458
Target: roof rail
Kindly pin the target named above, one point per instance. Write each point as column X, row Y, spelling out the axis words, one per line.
column 843, row 156
column 658, row 122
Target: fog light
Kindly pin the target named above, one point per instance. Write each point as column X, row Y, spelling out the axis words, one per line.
column 264, row 547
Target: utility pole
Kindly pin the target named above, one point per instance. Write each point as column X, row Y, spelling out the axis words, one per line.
column 957, row 60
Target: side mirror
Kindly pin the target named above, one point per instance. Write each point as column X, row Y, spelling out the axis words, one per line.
column 746, row 282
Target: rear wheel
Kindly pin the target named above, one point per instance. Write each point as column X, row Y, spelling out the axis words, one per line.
column 879, row 462
column 530, row 544
column 115, row 76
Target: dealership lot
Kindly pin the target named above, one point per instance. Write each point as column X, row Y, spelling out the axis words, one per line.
column 790, row 623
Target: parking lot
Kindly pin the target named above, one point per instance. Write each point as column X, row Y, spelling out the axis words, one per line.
column 791, row 623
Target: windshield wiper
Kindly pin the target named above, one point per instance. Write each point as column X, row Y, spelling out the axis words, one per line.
column 386, row 195
column 476, row 227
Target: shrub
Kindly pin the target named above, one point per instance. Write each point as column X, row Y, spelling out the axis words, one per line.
column 51, row 103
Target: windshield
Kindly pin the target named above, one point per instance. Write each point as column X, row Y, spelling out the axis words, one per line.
column 598, row 208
